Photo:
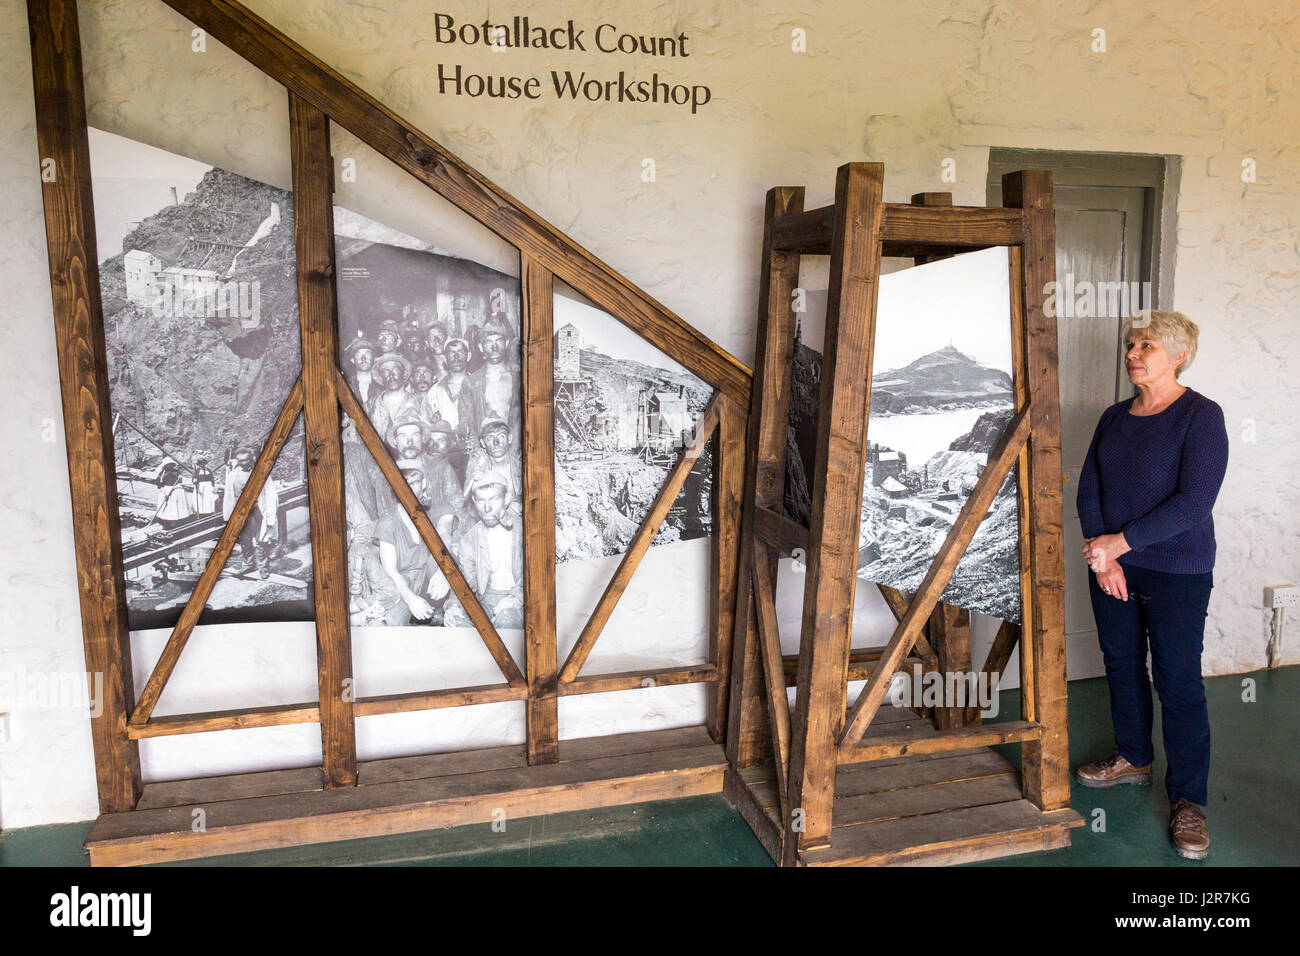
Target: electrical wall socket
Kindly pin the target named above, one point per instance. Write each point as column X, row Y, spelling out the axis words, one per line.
column 1281, row 595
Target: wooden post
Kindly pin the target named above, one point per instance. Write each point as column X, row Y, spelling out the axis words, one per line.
column 747, row 738
column 728, row 499
column 64, row 158
column 1045, row 762
column 538, row 298
column 837, row 500
column 313, row 227
column 950, row 638
column 1020, row 397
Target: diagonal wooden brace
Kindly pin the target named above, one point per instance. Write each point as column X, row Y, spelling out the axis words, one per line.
column 428, row 533
column 778, row 704
column 640, row 542
column 171, row 653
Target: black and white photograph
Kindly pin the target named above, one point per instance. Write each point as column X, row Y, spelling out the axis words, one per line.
column 940, row 400
column 201, row 329
column 624, row 411
column 430, row 348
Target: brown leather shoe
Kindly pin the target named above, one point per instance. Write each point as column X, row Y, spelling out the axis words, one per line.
column 1112, row 771
column 1187, row 830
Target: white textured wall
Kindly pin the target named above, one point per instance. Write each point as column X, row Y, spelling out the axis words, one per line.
column 907, row 84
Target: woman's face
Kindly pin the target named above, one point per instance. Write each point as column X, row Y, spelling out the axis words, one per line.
column 1148, row 361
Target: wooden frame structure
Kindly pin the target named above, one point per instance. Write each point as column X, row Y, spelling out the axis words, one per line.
column 343, row 799
column 832, row 783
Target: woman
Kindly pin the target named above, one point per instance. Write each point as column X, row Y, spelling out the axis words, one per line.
column 205, row 485
column 1148, row 485
column 173, row 503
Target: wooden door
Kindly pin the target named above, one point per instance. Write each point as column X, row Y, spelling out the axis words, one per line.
column 1107, row 214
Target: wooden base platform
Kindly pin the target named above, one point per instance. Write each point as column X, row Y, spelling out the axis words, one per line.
column 260, row 811
column 925, row 809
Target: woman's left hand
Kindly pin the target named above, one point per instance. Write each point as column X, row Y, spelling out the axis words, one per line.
column 1102, row 552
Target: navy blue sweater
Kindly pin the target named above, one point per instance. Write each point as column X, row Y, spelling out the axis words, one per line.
column 1155, row 478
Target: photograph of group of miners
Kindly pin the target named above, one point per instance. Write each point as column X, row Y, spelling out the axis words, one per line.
column 430, row 347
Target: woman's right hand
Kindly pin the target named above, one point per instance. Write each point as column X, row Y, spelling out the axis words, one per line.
column 1112, row 582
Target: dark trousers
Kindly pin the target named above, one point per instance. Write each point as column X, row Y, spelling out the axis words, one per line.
column 1164, row 613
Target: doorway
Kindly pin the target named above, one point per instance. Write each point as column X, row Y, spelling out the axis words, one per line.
column 1109, row 223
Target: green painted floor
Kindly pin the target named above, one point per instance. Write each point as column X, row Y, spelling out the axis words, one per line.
column 1255, row 778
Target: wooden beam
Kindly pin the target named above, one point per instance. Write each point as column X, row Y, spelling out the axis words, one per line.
column 285, row 61
column 799, row 231
column 764, row 470
column 724, row 555
column 898, row 607
column 437, row 699
column 936, row 579
column 774, row 529
column 638, row 680
column 318, row 332
column 929, row 254
column 950, row 637
column 537, row 296
column 937, row 225
column 952, row 225
column 778, row 704
column 1020, row 397
column 1004, row 642
column 641, row 542
column 64, row 161
column 171, row 652
column 861, row 664
column 888, row 746
column 280, row 715
column 1046, row 762
column 832, row 562
column 428, row 534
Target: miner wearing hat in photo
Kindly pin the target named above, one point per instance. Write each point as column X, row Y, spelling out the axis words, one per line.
column 414, row 346
column 422, row 379
column 405, row 436
column 490, row 553
column 435, row 337
column 360, row 355
column 446, row 494
column 413, row 581
column 452, row 399
column 393, row 370
column 495, row 462
column 410, row 438
column 389, row 338
column 496, row 383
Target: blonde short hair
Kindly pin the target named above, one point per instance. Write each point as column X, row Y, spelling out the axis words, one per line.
column 1173, row 330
